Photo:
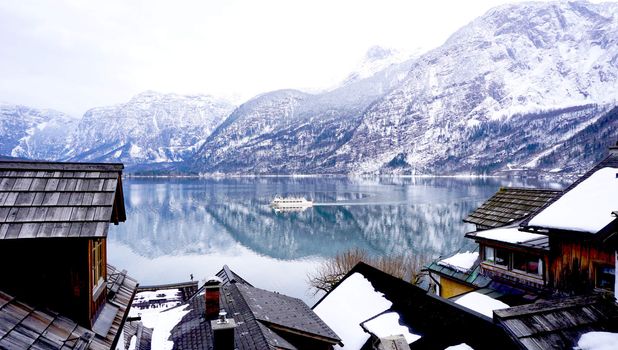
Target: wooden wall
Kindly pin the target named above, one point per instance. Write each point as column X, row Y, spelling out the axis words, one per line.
column 51, row 272
column 573, row 262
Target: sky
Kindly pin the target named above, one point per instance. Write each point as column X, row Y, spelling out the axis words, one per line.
column 72, row 55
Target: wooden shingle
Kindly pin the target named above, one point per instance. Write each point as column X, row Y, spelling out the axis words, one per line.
column 46, row 199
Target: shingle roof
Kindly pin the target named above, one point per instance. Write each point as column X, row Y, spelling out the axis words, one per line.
column 23, row 326
column 509, row 205
column 611, row 161
column 41, row 199
column 558, row 324
column 473, row 276
column 263, row 318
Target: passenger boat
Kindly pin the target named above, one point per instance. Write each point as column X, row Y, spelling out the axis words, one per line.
column 290, row 203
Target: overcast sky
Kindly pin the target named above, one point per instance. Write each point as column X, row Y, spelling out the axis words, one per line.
column 72, row 55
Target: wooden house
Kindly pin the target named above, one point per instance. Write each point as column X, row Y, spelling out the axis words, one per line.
column 582, row 229
column 54, row 219
column 458, row 274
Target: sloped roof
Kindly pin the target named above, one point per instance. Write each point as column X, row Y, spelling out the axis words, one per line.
column 439, row 322
column 512, row 236
column 472, row 276
column 47, row 199
column 264, row 319
column 611, row 161
column 23, row 326
column 508, row 205
column 558, row 324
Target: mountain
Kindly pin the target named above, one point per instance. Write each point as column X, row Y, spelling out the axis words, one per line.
column 290, row 131
column 152, row 128
column 32, row 133
column 500, row 95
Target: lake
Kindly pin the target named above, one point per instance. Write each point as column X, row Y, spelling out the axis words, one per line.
column 177, row 227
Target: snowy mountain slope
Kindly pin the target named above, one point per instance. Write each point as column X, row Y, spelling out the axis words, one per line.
column 289, row 131
column 515, row 60
column 32, row 133
column 150, row 128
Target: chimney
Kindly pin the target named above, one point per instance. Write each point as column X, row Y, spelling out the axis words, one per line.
column 613, row 150
column 211, row 297
column 223, row 332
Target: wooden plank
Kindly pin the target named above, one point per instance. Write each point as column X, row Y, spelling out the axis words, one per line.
column 38, row 198
column 51, row 198
column 87, row 199
column 89, row 229
column 3, row 230
column 101, row 230
column 545, row 307
column 75, row 230
column 76, row 198
column 24, row 198
column 6, row 184
column 62, row 183
column 13, row 231
column 12, row 214
column 10, row 199
column 90, row 213
column 38, row 184
column 64, row 198
column 102, row 198
column 79, row 214
column 71, row 184
column 29, row 230
column 52, row 184
column 46, row 229
column 22, row 184
column 103, row 214
column 4, row 211
column 61, row 229
column 96, row 184
column 25, row 214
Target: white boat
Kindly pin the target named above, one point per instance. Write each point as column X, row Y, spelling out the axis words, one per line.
column 290, row 203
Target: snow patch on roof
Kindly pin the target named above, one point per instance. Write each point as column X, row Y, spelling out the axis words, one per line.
column 462, row 346
column 387, row 324
column 347, row 306
column 598, row 341
column 481, row 303
column 509, row 235
column 461, row 261
column 587, row 207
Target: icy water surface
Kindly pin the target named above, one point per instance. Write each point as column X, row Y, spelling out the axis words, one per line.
column 178, row 227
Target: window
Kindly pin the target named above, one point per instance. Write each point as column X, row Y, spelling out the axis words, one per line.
column 97, row 262
column 497, row 256
column 527, row 263
column 605, row 276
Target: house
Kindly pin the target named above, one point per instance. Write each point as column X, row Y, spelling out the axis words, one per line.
column 581, row 227
column 497, row 222
column 56, row 285
column 229, row 313
column 369, row 308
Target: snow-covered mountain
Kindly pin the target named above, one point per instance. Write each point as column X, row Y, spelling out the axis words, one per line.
column 31, row 133
column 290, row 131
column 150, row 128
column 501, row 94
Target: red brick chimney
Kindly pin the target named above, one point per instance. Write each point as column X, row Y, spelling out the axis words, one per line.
column 211, row 297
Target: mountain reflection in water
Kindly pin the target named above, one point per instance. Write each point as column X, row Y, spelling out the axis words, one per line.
column 176, row 227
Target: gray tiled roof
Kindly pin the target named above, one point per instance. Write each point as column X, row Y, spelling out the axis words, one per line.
column 23, row 326
column 509, row 205
column 40, row 200
column 262, row 318
column 558, row 324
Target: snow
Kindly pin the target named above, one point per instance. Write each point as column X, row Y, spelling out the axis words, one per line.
column 461, row 261
column 481, row 303
column 586, row 208
column 598, row 341
column 162, row 318
column 347, row 306
column 509, row 235
column 387, row 324
column 462, row 346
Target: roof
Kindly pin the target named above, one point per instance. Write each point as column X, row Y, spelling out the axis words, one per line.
column 45, row 199
column 509, row 204
column 23, row 326
column 471, row 276
column 265, row 320
column 582, row 203
column 439, row 322
column 558, row 324
column 512, row 236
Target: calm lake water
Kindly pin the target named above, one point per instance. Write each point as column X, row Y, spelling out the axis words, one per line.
column 178, row 227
